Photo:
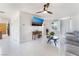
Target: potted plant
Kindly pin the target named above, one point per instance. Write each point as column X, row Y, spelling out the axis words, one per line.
column 50, row 34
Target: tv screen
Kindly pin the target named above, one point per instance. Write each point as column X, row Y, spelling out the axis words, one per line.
column 36, row 21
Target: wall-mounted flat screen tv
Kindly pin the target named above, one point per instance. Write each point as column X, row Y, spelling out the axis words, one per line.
column 37, row 21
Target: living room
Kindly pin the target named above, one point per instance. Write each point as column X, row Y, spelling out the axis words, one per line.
column 23, row 35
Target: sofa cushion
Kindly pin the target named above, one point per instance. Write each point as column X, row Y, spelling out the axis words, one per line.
column 73, row 36
column 76, row 33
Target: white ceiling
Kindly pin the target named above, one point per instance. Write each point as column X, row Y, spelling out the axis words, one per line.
column 58, row 9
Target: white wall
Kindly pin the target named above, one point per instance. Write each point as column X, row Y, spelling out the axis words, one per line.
column 21, row 28
column 75, row 23
column 15, row 29
column 26, row 27
column 2, row 20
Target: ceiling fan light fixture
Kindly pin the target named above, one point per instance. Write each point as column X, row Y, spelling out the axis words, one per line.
column 45, row 12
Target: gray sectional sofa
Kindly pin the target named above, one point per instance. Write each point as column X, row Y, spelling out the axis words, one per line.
column 72, row 42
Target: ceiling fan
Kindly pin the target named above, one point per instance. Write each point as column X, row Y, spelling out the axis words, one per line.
column 45, row 9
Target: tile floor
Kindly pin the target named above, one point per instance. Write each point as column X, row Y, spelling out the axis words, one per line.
column 31, row 48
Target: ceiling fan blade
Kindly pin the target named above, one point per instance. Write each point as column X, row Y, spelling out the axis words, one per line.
column 46, row 6
column 49, row 12
column 40, row 12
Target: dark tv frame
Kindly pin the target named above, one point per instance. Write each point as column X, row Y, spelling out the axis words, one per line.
column 36, row 24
